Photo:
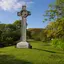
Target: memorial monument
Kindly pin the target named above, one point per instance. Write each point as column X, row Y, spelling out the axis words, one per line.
column 23, row 14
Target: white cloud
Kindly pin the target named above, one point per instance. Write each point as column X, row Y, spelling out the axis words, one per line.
column 13, row 4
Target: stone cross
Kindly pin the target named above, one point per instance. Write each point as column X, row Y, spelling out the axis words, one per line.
column 23, row 13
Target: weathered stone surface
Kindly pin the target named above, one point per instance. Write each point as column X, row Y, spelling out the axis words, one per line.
column 23, row 13
column 23, row 45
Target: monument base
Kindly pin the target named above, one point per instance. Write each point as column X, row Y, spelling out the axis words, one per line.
column 23, row 45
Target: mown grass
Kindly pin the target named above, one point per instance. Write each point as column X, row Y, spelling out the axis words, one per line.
column 41, row 53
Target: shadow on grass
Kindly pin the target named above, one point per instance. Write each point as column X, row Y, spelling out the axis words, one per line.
column 44, row 50
column 7, row 59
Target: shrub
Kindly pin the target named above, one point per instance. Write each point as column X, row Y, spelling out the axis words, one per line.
column 58, row 43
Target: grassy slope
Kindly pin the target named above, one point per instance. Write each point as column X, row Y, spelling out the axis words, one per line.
column 40, row 54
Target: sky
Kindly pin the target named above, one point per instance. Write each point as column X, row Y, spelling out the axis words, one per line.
column 9, row 9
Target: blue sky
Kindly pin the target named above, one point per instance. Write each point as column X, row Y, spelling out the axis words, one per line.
column 37, row 9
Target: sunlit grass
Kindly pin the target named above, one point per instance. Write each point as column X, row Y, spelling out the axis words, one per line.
column 41, row 53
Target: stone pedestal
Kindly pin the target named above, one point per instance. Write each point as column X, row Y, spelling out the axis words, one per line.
column 23, row 45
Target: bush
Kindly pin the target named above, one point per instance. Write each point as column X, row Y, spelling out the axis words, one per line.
column 58, row 43
column 62, row 43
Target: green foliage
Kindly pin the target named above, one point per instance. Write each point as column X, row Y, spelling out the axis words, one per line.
column 43, row 35
column 17, row 24
column 58, row 43
column 55, row 10
column 54, row 42
column 56, row 29
column 52, row 31
column 28, row 34
column 9, row 33
column 35, row 33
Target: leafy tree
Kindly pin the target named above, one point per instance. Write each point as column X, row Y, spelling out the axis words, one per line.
column 28, row 34
column 43, row 35
column 17, row 24
column 55, row 11
column 56, row 29
column 9, row 33
column 35, row 33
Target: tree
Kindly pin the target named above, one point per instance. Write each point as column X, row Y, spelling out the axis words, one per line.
column 55, row 10
column 9, row 33
column 35, row 33
column 17, row 24
column 43, row 35
column 56, row 29
column 28, row 34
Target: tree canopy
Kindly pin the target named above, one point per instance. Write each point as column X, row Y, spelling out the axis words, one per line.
column 55, row 11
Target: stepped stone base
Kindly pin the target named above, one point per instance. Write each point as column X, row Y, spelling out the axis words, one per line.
column 23, row 45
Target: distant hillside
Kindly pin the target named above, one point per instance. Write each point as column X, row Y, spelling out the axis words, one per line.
column 35, row 29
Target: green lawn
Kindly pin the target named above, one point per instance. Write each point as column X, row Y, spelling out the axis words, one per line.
column 40, row 54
